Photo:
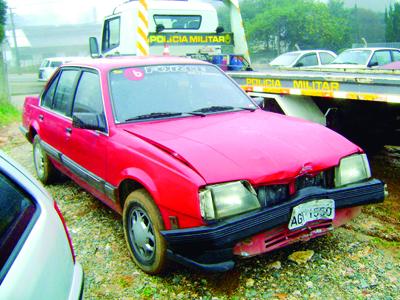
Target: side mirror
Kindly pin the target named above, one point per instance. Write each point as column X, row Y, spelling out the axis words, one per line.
column 90, row 121
column 219, row 29
column 94, row 47
column 160, row 28
column 259, row 101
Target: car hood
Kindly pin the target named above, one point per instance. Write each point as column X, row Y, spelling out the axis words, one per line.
column 256, row 146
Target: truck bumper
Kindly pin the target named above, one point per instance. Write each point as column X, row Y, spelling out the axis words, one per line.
column 212, row 247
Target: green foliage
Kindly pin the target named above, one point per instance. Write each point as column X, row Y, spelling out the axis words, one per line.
column 3, row 12
column 8, row 113
column 392, row 19
column 311, row 24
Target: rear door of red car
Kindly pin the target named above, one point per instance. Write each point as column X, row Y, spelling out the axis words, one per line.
column 55, row 115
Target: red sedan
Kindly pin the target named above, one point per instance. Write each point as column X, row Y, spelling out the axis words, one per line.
column 200, row 174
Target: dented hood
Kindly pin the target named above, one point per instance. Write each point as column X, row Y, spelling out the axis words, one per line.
column 256, row 146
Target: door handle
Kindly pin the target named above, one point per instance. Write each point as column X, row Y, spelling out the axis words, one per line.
column 68, row 130
column 41, row 117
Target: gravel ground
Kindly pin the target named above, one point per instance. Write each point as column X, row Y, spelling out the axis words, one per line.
column 358, row 261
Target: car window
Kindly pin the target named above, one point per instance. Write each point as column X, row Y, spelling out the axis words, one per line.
column 88, row 94
column 47, row 98
column 16, row 212
column 179, row 89
column 396, row 55
column 178, row 21
column 380, row 58
column 55, row 64
column 111, row 34
column 326, row 58
column 44, row 64
column 307, row 60
column 64, row 91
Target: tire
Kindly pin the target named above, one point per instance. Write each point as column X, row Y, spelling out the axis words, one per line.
column 142, row 225
column 45, row 170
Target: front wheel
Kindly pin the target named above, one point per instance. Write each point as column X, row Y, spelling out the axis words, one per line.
column 142, row 225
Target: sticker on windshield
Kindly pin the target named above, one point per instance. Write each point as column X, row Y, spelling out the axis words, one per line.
column 191, row 69
column 133, row 74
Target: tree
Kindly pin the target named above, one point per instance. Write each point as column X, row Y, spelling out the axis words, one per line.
column 308, row 23
column 392, row 19
column 3, row 12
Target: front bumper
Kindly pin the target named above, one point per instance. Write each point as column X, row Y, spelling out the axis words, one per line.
column 211, row 247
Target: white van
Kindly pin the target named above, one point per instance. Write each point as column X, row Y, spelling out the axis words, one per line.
column 50, row 65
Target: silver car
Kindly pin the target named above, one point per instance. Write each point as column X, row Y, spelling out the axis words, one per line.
column 37, row 259
column 304, row 58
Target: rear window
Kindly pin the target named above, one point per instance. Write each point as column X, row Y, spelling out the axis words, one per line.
column 178, row 21
column 16, row 212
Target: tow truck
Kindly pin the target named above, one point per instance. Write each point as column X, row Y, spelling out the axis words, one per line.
column 363, row 105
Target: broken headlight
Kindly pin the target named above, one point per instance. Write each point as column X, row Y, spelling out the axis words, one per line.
column 352, row 169
column 227, row 199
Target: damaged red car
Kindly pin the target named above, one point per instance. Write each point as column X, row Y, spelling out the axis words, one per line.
column 200, row 174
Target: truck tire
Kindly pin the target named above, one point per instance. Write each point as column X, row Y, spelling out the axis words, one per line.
column 142, row 225
column 44, row 168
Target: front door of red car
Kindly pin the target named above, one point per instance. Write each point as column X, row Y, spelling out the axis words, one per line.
column 86, row 149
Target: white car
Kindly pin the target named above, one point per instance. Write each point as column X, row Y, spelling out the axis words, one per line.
column 361, row 58
column 304, row 58
column 37, row 260
column 50, row 65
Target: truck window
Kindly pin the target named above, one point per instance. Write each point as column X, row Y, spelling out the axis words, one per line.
column 65, row 91
column 111, row 34
column 178, row 21
column 88, row 94
column 16, row 212
column 308, row 60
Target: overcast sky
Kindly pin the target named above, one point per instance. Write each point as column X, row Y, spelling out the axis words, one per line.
column 78, row 11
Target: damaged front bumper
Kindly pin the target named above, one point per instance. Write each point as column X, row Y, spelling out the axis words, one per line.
column 213, row 247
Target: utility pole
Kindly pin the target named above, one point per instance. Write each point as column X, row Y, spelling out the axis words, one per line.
column 16, row 51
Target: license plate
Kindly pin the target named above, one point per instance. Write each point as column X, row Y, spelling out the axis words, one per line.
column 323, row 209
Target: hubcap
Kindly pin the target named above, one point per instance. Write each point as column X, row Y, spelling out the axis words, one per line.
column 142, row 234
column 39, row 161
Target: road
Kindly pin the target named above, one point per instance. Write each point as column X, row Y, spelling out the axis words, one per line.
column 22, row 85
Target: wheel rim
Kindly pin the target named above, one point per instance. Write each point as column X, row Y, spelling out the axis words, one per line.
column 142, row 234
column 39, row 160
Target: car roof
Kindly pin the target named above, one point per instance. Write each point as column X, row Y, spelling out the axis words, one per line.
column 114, row 62
column 372, row 48
column 308, row 51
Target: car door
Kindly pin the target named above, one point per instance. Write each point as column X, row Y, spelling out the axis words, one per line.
column 85, row 149
column 380, row 58
column 55, row 116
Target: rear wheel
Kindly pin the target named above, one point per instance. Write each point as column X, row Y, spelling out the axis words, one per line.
column 142, row 225
column 45, row 170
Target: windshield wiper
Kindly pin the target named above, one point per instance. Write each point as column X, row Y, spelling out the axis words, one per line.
column 155, row 115
column 215, row 108
column 220, row 108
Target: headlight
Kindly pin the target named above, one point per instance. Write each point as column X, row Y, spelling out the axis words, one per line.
column 352, row 169
column 227, row 199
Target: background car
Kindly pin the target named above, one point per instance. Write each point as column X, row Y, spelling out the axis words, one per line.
column 50, row 65
column 37, row 259
column 305, row 58
column 365, row 58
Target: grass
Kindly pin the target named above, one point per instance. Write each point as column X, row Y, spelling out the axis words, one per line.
column 8, row 113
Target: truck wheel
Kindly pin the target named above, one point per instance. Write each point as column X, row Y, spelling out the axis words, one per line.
column 45, row 170
column 142, row 225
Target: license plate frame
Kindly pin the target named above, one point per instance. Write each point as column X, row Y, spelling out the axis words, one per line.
column 314, row 210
